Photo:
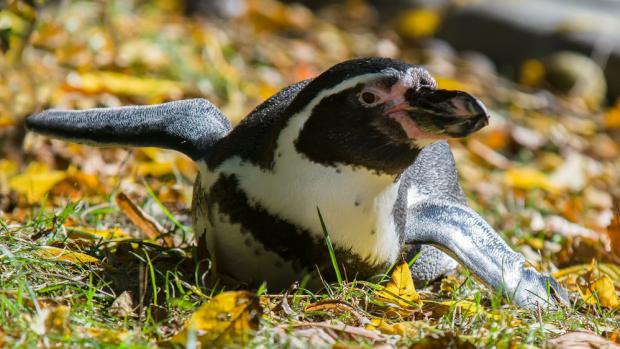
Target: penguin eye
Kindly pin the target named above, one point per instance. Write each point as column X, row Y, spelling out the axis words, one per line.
column 368, row 98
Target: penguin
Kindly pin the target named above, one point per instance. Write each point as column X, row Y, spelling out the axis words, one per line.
column 363, row 144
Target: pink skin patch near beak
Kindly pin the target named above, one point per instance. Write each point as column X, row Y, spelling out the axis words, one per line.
column 411, row 129
column 398, row 112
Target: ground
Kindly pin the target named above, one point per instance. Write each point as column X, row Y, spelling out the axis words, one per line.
column 95, row 245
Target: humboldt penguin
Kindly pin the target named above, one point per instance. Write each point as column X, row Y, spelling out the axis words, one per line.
column 363, row 143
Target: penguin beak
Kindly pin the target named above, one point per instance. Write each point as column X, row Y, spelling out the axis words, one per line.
column 447, row 113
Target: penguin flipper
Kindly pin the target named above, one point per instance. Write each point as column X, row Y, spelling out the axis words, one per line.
column 190, row 126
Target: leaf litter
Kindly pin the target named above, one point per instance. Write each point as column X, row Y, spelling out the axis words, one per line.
column 75, row 260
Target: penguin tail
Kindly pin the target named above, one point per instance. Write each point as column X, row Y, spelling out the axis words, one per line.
column 190, row 126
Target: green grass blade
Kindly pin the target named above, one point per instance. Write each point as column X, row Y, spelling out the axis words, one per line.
column 330, row 248
column 165, row 210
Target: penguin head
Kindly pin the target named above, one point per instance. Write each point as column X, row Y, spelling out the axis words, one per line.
column 378, row 112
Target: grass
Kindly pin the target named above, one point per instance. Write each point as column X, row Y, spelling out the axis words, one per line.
column 163, row 282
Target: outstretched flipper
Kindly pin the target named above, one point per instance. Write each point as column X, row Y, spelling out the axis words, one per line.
column 460, row 232
column 437, row 215
column 190, row 126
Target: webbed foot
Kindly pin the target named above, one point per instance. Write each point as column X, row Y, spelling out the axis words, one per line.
column 538, row 290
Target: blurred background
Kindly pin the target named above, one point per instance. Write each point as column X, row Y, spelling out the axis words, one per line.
column 546, row 172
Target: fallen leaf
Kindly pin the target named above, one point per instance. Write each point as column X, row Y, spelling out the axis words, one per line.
column 147, row 224
column 611, row 270
column 58, row 254
column 52, row 320
column 612, row 117
column 418, row 23
column 156, row 90
column 105, row 335
column 532, row 72
column 602, row 291
column 36, row 181
column 613, row 231
column 529, row 178
column 580, row 340
column 465, row 307
column 400, row 289
column 443, row 340
column 403, row 328
column 153, row 168
column 228, row 318
column 488, row 154
column 122, row 306
column 96, row 234
column 6, row 121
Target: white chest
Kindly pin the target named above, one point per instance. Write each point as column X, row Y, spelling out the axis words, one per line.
column 356, row 203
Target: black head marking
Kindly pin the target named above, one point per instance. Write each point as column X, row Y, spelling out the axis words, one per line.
column 346, row 126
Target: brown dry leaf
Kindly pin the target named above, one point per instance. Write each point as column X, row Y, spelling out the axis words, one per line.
column 529, row 178
column 400, row 289
column 147, row 224
column 58, row 254
column 52, row 320
column 581, row 340
column 228, row 318
column 418, row 23
column 487, row 154
column 613, row 336
column 122, row 306
column 36, row 181
column 613, row 232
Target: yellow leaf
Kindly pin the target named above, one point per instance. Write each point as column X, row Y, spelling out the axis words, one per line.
column 602, row 291
column 105, row 335
column 532, row 72
column 400, row 289
column 612, row 117
column 418, row 23
column 95, row 234
column 465, row 308
column 7, row 167
column 126, row 85
column 52, row 320
column 6, row 121
column 404, row 328
column 230, row 317
column 450, row 84
column 529, row 178
column 55, row 253
column 36, row 181
column 611, row 270
column 154, row 168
